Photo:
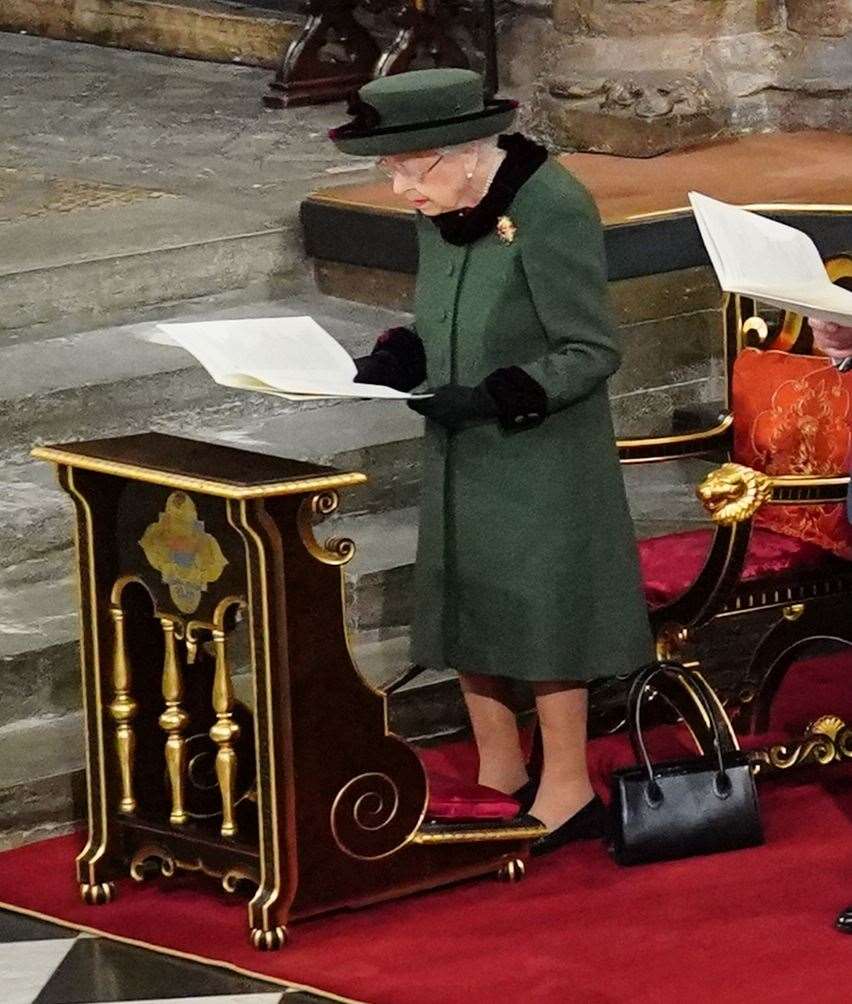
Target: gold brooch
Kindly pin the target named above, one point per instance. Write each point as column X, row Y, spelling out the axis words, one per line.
column 506, row 229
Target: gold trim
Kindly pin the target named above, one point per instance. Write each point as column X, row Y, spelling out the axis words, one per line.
column 806, row 481
column 88, row 857
column 123, row 710
column 149, row 852
column 97, row 894
column 204, row 486
column 269, row 939
column 757, row 325
column 825, row 741
column 325, row 197
column 686, row 437
column 733, row 493
column 670, row 641
column 232, row 878
column 176, row 954
column 173, row 721
column 480, row 835
column 355, row 815
column 224, row 732
column 806, row 207
column 270, row 856
column 512, row 871
column 336, row 550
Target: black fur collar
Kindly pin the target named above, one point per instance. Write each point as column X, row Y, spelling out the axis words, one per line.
column 523, row 159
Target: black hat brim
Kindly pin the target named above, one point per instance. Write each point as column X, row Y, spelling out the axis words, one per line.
column 496, row 117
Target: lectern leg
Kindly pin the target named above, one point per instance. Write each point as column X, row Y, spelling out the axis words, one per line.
column 95, row 866
column 269, row 908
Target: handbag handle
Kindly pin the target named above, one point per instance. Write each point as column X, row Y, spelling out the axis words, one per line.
column 635, row 699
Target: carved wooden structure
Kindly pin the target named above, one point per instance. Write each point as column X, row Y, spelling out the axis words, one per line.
column 812, row 603
column 305, row 795
column 341, row 47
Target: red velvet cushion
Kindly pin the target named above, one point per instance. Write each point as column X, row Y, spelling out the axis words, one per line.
column 670, row 564
column 452, row 798
column 792, row 416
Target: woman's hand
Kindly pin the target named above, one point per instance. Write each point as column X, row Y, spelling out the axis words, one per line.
column 398, row 360
column 453, row 405
column 834, row 340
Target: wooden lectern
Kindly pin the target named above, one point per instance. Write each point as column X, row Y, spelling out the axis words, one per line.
column 306, row 795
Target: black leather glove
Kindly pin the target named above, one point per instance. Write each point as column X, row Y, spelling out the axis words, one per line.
column 510, row 395
column 521, row 401
column 397, row 360
column 453, row 405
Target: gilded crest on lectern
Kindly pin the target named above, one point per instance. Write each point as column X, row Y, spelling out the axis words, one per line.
column 187, row 557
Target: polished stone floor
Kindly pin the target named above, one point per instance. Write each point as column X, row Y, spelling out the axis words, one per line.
column 43, row 963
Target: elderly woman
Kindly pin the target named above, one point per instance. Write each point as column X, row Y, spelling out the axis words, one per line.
column 526, row 564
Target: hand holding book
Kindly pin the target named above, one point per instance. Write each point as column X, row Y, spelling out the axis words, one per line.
column 769, row 261
column 292, row 357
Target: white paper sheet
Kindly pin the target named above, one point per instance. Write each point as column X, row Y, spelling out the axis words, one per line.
column 291, row 357
column 769, row 261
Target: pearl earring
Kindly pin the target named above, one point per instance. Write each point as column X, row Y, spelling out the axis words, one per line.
column 469, row 175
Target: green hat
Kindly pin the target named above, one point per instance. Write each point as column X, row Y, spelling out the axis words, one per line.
column 421, row 110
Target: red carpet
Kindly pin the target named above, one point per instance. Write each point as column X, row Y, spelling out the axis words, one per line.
column 753, row 925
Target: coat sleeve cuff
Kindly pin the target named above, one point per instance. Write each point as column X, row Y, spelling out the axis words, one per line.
column 409, row 357
column 521, row 401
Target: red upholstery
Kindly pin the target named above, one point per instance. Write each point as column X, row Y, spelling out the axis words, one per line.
column 792, row 415
column 670, row 564
column 452, row 798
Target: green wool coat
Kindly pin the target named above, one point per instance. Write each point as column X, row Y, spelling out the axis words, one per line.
column 527, row 563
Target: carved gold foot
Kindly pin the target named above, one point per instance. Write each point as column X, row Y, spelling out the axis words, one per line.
column 269, row 941
column 825, row 741
column 97, row 894
column 512, row 871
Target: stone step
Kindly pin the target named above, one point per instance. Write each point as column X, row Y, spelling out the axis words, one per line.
column 145, row 181
column 86, row 384
column 201, row 29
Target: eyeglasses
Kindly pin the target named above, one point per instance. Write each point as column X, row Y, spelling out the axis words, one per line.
column 409, row 168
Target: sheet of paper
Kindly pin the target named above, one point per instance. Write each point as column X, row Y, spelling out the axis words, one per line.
column 289, row 356
column 770, row 261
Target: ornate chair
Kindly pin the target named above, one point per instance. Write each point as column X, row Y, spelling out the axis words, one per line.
column 780, row 542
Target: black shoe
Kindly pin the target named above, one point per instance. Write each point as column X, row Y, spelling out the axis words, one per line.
column 589, row 823
column 844, row 921
column 525, row 796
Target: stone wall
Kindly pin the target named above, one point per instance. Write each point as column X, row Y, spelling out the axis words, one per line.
column 639, row 77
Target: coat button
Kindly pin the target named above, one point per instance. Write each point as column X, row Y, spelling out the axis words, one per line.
column 444, row 315
column 451, row 268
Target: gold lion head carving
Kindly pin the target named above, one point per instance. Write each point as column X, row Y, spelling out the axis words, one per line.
column 733, row 493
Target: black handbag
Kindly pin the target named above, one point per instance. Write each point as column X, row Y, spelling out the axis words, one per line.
column 681, row 807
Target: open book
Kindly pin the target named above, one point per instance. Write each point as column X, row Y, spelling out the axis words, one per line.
column 293, row 357
column 771, row 262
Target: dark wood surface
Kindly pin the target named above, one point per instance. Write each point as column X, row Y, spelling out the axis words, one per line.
column 156, row 451
column 327, row 801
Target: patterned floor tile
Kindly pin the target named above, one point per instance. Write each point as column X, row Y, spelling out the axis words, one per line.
column 18, row 927
column 27, row 966
column 96, row 971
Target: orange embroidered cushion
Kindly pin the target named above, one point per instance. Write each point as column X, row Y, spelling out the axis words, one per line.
column 792, row 416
